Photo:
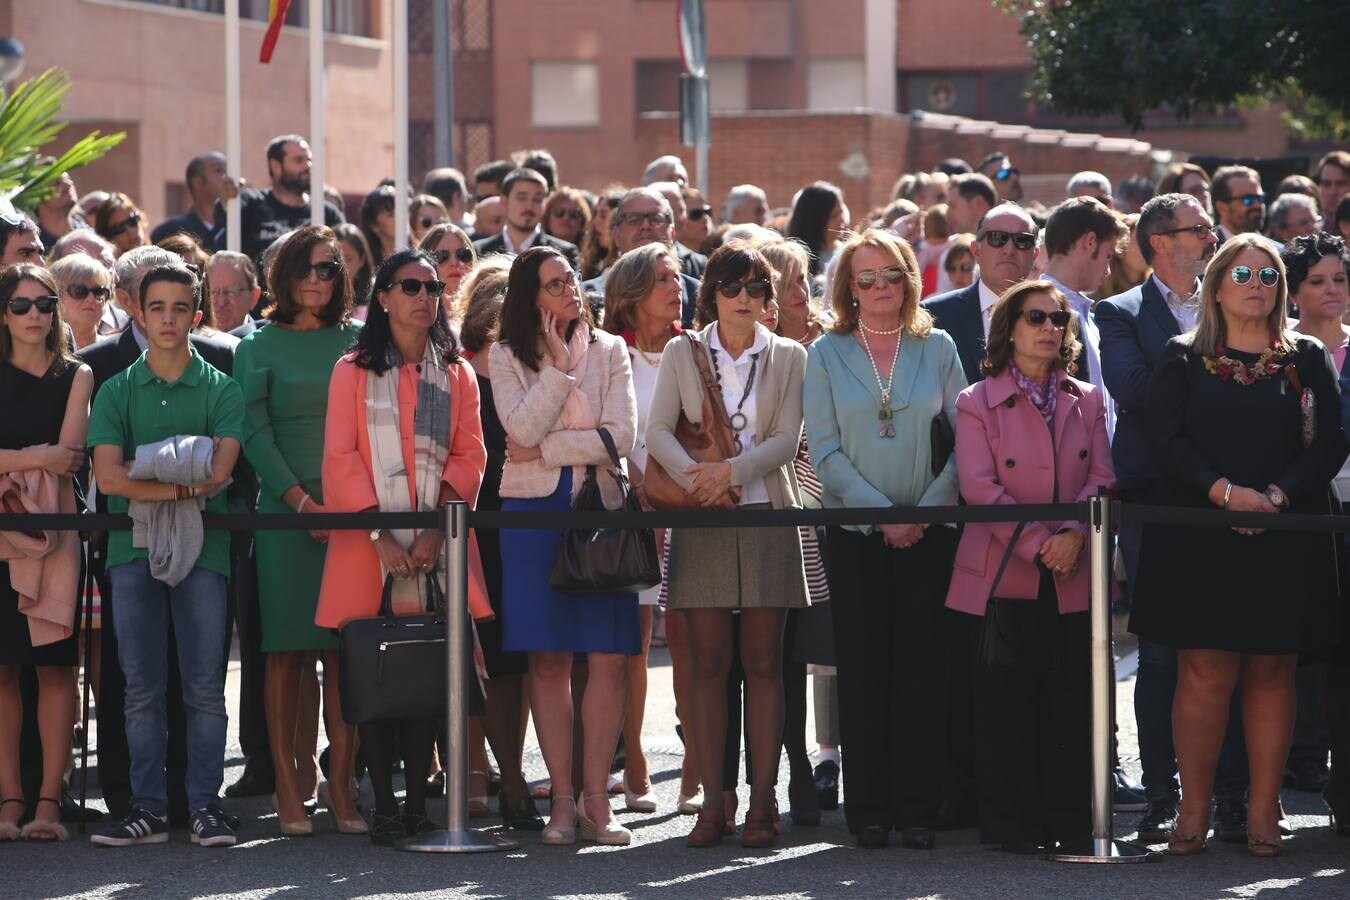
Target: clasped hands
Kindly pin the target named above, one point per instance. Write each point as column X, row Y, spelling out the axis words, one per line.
column 421, row 556
column 712, row 484
column 1243, row 499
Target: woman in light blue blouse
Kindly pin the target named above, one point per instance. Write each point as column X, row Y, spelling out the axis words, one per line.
column 874, row 386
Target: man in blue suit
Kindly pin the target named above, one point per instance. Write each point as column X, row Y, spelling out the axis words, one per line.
column 1176, row 236
column 1004, row 248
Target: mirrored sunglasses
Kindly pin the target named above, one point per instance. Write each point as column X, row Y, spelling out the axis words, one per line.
column 1269, row 275
column 867, row 278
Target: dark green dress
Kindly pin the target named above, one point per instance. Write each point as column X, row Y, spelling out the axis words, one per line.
column 285, row 377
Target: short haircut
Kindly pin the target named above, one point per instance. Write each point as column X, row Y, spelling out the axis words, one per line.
column 972, row 185
column 79, row 267
column 1135, row 191
column 1224, row 175
column 176, row 273
column 291, row 267
column 131, row 267
column 953, row 166
column 1078, row 216
column 276, row 147
column 742, row 193
column 67, row 244
column 1338, row 158
column 734, row 260
column 653, row 171
column 516, row 176
column 492, row 172
column 1008, row 209
column 540, row 161
column 997, row 158
column 1005, row 316
column 629, row 281
column 195, row 168
column 632, row 194
column 1298, row 184
column 1284, row 206
column 237, row 261
column 1088, row 179
column 446, row 184
column 1302, row 253
column 1157, row 216
column 11, row 225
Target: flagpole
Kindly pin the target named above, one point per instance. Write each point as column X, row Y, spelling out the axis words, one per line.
column 318, row 145
column 400, row 61
column 233, row 151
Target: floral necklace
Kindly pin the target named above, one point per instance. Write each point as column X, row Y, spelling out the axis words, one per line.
column 1268, row 364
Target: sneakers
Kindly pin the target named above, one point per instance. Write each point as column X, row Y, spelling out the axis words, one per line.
column 138, row 827
column 1128, row 797
column 210, row 828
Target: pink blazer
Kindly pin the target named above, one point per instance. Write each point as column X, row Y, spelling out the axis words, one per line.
column 1004, row 454
column 351, row 573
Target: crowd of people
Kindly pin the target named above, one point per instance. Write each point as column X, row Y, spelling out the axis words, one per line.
column 1180, row 344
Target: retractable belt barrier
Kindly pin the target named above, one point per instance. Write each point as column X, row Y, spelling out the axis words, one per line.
column 1098, row 513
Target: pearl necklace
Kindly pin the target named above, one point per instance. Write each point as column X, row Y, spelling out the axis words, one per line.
column 884, row 414
column 895, row 330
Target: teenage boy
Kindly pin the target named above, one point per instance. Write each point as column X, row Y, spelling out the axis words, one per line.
column 168, row 392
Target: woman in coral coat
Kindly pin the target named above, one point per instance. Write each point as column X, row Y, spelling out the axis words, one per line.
column 402, row 434
column 1030, row 433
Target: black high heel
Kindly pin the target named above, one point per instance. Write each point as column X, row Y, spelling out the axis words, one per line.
column 520, row 813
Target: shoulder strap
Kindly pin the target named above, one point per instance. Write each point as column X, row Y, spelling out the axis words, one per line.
column 702, row 359
column 608, row 441
column 1007, row 555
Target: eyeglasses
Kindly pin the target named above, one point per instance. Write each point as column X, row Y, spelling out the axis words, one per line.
column 1022, row 240
column 463, row 254
column 1251, row 199
column 1200, row 231
column 696, row 213
column 427, row 222
column 130, row 221
column 1059, row 318
column 559, row 212
column 868, row 277
column 324, row 271
column 1269, row 275
column 21, row 305
column 217, row 293
column 1006, row 173
column 411, row 287
column 756, row 288
column 82, row 291
column 655, row 219
column 558, row 286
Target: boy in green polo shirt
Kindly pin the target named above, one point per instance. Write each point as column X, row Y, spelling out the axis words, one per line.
column 169, row 391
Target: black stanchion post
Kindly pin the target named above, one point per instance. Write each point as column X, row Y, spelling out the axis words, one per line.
column 457, row 836
column 1102, row 847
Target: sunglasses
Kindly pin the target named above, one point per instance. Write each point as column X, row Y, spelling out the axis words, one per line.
column 867, row 278
column 696, row 213
column 1036, row 317
column 757, row 288
column 324, row 271
column 1006, row 173
column 82, row 291
column 558, row 286
column 1200, row 231
column 427, row 221
column 130, row 221
column 560, row 213
column 21, row 305
column 1252, row 199
column 1269, row 275
column 463, row 254
column 1022, row 240
column 411, row 287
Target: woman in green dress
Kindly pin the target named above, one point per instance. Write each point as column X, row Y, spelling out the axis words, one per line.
column 284, row 370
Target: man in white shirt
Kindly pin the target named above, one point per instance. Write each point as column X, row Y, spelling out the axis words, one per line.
column 524, row 192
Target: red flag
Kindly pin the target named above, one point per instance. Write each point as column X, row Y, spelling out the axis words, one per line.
column 275, row 18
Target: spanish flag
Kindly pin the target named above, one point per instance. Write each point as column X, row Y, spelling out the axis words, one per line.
column 276, row 15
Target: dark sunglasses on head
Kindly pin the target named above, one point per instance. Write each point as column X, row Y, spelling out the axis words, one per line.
column 324, row 271
column 81, row 291
column 1006, row 173
column 463, row 254
column 757, row 288
column 575, row 215
column 696, row 213
column 867, row 278
column 1269, row 275
column 21, row 305
column 1036, row 317
column 1252, row 199
column 1022, row 240
column 411, row 287
column 130, row 221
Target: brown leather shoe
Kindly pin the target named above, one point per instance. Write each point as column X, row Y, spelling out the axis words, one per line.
column 759, row 830
column 708, row 830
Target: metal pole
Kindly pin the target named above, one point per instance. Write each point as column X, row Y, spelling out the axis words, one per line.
column 1102, row 848
column 400, row 62
column 232, row 142
column 457, row 836
column 443, row 80
column 318, row 146
column 701, row 161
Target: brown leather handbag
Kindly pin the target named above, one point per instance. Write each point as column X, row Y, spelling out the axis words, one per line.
column 708, row 440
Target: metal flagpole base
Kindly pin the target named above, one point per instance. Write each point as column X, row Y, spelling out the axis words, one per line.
column 1103, row 850
column 456, row 842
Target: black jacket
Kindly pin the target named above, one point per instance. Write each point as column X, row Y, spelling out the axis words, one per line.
column 497, row 244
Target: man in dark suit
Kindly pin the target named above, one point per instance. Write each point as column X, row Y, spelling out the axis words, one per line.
column 692, row 263
column 643, row 216
column 108, row 357
column 524, row 191
column 1004, row 248
column 1176, row 236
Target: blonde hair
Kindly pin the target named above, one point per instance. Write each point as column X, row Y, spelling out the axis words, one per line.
column 1211, row 330
column 914, row 319
column 790, row 259
column 485, row 269
column 77, row 267
column 631, row 279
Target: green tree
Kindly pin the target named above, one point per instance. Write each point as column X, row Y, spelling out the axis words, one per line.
column 29, row 120
column 1127, row 57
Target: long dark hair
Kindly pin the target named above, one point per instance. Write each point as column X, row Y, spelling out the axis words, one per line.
column 377, row 201
column 375, row 341
column 1008, row 310
column 810, row 214
column 520, row 322
column 351, row 235
column 291, row 266
column 10, row 279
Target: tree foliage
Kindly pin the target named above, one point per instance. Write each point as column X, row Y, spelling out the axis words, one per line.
column 1128, row 57
column 29, row 120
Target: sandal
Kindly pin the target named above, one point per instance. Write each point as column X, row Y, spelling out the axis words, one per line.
column 478, row 803
column 45, row 830
column 1265, row 848
column 9, row 831
column 708, row 830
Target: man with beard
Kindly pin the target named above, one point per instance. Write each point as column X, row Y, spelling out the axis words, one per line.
column 267, row 214
column 1238, row 200
column 56, row 217
column 524, row 191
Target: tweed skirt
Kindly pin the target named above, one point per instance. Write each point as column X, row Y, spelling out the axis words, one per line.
column 736, row 568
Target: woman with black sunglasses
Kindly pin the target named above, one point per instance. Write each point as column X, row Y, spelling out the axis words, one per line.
column 1243, row 415
column 1030, row 433
column 567, row 215
column 714, row 573
column 118, row 221
column 452, row 251
column 284, row 370
column 86, row 288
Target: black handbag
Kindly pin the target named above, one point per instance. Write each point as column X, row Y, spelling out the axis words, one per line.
column 941, row 442
column 1017, row 633
column 605, row 560
column 393, row 667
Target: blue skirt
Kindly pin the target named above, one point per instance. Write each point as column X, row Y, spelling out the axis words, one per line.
column 536, row 617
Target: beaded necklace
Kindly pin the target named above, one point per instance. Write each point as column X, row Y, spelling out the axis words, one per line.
column 884, row 414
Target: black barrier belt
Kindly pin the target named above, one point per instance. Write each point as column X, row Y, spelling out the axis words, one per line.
column 1214, row 518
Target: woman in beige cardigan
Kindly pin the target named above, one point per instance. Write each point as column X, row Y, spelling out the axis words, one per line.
column 714, row 572
column 556, row 382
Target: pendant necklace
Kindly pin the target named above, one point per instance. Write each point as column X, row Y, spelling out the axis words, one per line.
column 737, row 420
column 886, row 428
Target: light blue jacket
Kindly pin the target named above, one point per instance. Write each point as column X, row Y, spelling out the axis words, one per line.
column 856, row 465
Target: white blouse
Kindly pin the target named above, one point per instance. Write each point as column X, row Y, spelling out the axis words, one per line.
column 733, row 375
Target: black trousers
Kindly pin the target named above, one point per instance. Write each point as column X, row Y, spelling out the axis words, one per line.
column 1033, row 731
column 888, row 626
column 252, row 664
column 1337, row 791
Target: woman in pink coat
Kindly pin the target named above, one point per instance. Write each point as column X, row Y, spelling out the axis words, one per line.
column 1031, row 433
column 402, row 434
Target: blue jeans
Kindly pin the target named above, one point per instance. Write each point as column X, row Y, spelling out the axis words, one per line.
column 141, row 617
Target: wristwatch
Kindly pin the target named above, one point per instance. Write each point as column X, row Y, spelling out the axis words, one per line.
column 375, row 534
column 1277, row 497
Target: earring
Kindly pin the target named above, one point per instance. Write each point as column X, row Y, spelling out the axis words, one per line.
column 855, row 301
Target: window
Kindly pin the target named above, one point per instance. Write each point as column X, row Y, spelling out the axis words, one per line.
column 728, row 85
column 835, row 84
column 339, row 16
column 564, row 94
